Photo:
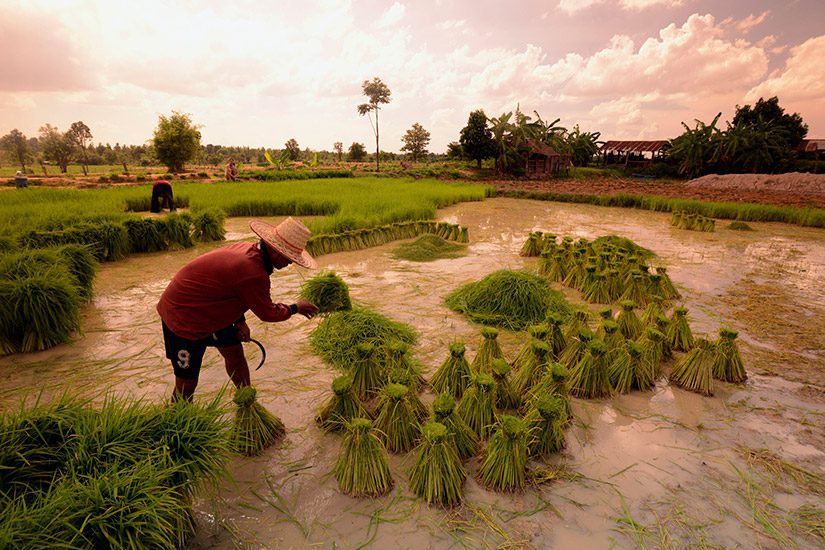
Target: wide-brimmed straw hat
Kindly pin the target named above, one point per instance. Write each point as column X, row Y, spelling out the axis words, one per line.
column 289, row 238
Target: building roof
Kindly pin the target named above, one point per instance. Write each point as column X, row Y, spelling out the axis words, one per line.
column 540, row 148
column 634, row 146
column 811, row 145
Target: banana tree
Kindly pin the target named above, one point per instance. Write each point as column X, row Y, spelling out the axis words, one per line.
column 280, row 162
column 694, row 149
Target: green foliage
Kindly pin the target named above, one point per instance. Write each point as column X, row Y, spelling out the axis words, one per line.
column 176, row 140
column 255, row 428
column 283, row 175
column 415, row 141
column 16, row 146
column 378, row 94
column 428, row 248
column 583, row 146
column 477, row 139
column 362, row 468
column 328, row 291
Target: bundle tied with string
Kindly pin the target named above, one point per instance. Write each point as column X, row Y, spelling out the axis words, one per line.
column 341, row 407
column 368, row 375
column 612, row 336
column 505, row 462
column 662, row 325
column 478, row 406
column 670, row 290
column 506, row 396
column 629, row 324
column 406, row 378
column 727, row 362
column 546, row 419
column 453, row 376
column 328, row 291
column 589, row 378
column 532, row 370
column 396, row 421
column 437, row 475
column 627, row 371
column 537, row 332
column 532, row 246
column 397, row 358
column 255, row 428
column 695, row 371
column 362, row 468
column 576, row 347
column 487, row 351
column 554, row 383
column 650, row 345
column 679, row 335
column 464, row 438
column 555, row 336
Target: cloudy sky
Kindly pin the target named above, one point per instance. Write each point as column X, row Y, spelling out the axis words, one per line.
column 259, row 72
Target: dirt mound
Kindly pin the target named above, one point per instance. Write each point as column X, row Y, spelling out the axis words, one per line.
column 794, row 182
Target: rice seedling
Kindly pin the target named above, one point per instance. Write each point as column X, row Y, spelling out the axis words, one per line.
column 337, row 336
column 255, row 428
column 629, row 324
column 437, row 475
column 636, row 288
column 533, row 368
column 555, row 268
column 555, row 337
column 396, row 421
column 678, row 334
column 609, row 332
column 576, row 323
column 510, row 299
column 464, row 438
column 478, row 406
column 487, row 351
column 662, row 325
column 576, row 347
column 328, row 291
column 176, row 230
column 342, row 406
column 694, row 371
column 505, row 461
column 669, row 289
column 428, row 248
column 597, row 289
column 145, row 235
column 409, row 379
column 506, row 396
column 627, row 371
column 532, row 246
column 545, row 421
column 589, row 378
column 650, row 345
column 727, row 362
column 555, row 383
column 367, row 374
column 453, row 376
column 362, row 468
column 207, row 225
column 654, row 309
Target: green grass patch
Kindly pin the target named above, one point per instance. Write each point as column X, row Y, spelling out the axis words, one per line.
column 428, row 248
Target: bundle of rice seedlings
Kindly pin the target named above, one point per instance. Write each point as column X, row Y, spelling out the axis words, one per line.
column 465, row 439
column 408, row 378
column 176, row 230
column 651, row 346
column 396, row 421
column 82, row 265
column 255, row 428
column 207, row 225
column 145, row 235
column 397, row 357
column 533, row 368
column 437, row 475
column 478, row 406
column 653, row 310
column 629, row 324
column 597, row 289
column 610, row 333
column 328, row 291
column 537, row 332
column 605, row 313
column 554, row 383
column 627, row 371
column 739, row 226
column 453, row 376
column 589, row 378
column 532, row 246
column 463, row 234
column 669, row 289
column 678, row 334
column 362, row 468
column 545, row 421
column 341, row 407
column 555, row 337
column 576, row 348
column 337, row 336
column 636, row 288
column 511, row 299
column 556, row 267
column 428, row 248
column 576, row 323
column 662, row 325
column 727, row 362
column 545, row 262
column 695, row 371
column 487, row 351
column 368, row 375
column 506, row 396
column 505, row 461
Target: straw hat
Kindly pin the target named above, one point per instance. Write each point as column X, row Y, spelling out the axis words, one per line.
column 289, row 238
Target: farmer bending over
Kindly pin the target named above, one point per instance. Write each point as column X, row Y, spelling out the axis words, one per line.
column 205, row 302
column 162, row 195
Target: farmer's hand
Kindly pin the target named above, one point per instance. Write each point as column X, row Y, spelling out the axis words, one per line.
column 306, row 309
column 243, row 331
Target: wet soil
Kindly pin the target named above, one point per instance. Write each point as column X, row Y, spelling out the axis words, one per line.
column 666, row 468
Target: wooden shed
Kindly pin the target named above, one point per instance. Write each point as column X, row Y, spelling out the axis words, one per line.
column 633, row 154
column 544, row 161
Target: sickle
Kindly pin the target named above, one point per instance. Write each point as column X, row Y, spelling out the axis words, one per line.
column 263, row 352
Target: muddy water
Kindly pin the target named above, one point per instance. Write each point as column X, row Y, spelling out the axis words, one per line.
column 657, row 467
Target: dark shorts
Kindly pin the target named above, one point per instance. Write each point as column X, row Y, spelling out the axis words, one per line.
column 187, row 355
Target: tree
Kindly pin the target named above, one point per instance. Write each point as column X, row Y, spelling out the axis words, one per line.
column 476, row 138
column 57, row 146
column 357, row 152
column 582, row 146
column 338, row 147
column 176, row 140
column 770, row 112
column 378, row 93
column 16, row 146
column 454, row 150
column 694, row 149
column 80, row 135
column 415, row 141
column 293, row 148
column 774, row 133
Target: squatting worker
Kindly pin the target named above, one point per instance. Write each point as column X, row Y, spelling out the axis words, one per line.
column 205, row 303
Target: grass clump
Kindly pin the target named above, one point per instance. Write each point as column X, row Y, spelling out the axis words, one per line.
column 627, row 371
column 396, row 420
column 428, row 248
column 437, row 475
column 255, row 428
column 695, row 371
column 341, row 407
column 464, row 438
column 505, row 462
column 207, row 225
column 362, row 468
column 453, row 376
column 532, row 246
column 328, row 291
column 509, row 299
column 727, row 362
column 739, row 226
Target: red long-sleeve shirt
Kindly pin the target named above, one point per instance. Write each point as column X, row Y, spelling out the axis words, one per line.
column 214, row 290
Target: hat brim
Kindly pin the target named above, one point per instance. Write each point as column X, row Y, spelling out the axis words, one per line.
column 301, row 258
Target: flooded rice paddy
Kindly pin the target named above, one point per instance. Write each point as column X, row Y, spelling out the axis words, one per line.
column 667, row 468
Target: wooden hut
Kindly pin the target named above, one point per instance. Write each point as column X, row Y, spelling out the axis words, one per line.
column 633, row 154
column 543, row 161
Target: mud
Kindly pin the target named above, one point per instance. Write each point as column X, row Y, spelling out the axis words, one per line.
column 643, row 468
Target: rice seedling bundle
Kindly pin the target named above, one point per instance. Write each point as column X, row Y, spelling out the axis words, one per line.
column 82, row 265
column 636, row 288
column 532, row 246
column 575, row 272
column 532, row 368
column 176, row 230
column 556, row 267
column 597, row 290
column 678, row 334
column 437, row 475
column 109, row 240
column 695, row 371
column 589, row 378
column 145, row 235
column 506, row 396
column 727, row 362
column 662, row 325
column 627, row 371
column 653, row 310
column 463, row 235
column 553, row 383
column 396, row 421
column 337, row 336
column 576, row 348
column 362, row 468
column 397, row 360
column 610, row 333
column 545, row 421
column 669, row 289
column 453, row 376
column 255, row 428
column 650, row 344
column 487, row 351
column 408, row 379
column 629, row 324
column 341, row 407
column 576, row 323
column 510, row 299
column 478, row 406
column 505, row 461
column 465, row 439
column 207, row 225
column 545, row 262
column 428, row 248
column 588, row 278
column 555, row 337
column 367, row 373
column 328, row 291
column 739, row 226
column 605, row 312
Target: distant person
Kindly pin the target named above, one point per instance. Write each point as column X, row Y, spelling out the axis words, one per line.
column 20, row 180
column 162, row 196
column 231, row 173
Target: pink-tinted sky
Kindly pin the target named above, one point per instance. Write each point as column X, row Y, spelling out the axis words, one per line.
column 259, row 72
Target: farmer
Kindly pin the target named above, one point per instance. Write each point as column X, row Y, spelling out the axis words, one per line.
column 205, row 302
column 21, row 180
column 162, row 196
column 231, row 172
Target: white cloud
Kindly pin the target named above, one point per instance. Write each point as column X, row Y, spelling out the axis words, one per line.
column 802, row 79
column 393, row 15
column 752, row 21
column 574, row 6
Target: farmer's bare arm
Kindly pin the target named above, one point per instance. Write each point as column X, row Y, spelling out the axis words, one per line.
column 307, row 309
